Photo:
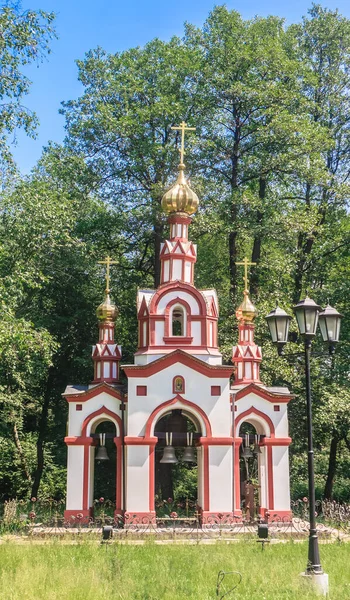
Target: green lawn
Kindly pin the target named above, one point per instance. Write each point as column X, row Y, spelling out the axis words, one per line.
column 90, row 571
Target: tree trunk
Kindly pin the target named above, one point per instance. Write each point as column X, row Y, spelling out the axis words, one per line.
column 20, row 452
column 332, row 467
column 41, row 435
column 256, row 253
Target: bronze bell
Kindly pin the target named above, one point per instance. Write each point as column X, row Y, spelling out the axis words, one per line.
column 246, row 451
column 102, row 450
column 169, row 455
column 257, row 449
column 189, row 454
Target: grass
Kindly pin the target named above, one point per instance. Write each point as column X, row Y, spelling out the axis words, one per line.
column 90, row 571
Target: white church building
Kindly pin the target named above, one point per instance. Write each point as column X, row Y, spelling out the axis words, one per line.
column 178, row 376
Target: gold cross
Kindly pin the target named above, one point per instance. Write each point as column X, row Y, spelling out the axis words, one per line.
column 183, row 128
column 245, row 263
column 108, row 262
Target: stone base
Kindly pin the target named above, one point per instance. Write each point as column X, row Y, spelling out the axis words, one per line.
column 318, row 582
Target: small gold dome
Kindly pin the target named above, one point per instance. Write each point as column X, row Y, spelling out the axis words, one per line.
column 107, row 311
column 246, row 311
column 180, row 197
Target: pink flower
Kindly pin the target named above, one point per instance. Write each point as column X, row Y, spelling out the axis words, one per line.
column 32, row 515
column 173, row 515
column 305, row 499
column 80, row 516
column 101, row 499
column 170, row 500
column 33, row 499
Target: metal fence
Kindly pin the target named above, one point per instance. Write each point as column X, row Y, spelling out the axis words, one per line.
column 45, row 518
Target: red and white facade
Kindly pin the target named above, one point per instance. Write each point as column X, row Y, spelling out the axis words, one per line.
column 178, row 365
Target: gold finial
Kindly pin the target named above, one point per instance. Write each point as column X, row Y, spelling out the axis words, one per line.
column 107, row 311
column 180, row 198
column 108, row 262
column 183, row 127
column 246, row 311
column 246, row 264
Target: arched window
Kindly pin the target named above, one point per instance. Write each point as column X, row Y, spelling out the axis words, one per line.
column 178, row 320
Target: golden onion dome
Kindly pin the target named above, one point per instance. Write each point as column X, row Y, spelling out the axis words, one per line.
column 180, row 198
column 107, row 311
column 246, row 311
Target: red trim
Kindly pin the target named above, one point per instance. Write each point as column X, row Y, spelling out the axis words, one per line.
column 100, row 411
column 237, row 475
column 270, row 478
column 171, row 286
column 254, row 411
column 86, row 477
column 79, row 440
column 205, row 478
column 178, row 356
column 118, row 475
column 276, row 441
column 216, row 441
column 140, row 441
column 159, row 408
column 259, row 391
column 141, row 390
column 167, row 327
column 151, row 477
column 175, row 391
column 92, row 392
column 177, row 340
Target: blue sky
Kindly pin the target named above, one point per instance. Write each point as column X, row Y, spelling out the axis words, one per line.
column 116, row 25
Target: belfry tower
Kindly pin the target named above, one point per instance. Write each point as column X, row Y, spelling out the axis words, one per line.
column 179, row 394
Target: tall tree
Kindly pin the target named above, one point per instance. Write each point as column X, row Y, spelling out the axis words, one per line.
column 24, row 39
column 122, row 126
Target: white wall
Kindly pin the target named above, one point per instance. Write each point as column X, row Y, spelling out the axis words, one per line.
column 75, row 469
column 220, row 469
column 198, row 391
column 137, row 489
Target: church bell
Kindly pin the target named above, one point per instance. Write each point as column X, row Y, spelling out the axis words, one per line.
column 169, row 455
column 189, row 454
column 257, row 449
column 102, row 450
column 246, row 451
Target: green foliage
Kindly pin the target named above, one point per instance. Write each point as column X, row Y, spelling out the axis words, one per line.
column 270, row 164
column 163, row 572
column 24, row 39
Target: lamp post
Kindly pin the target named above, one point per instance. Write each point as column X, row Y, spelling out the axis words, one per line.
column 308, row 313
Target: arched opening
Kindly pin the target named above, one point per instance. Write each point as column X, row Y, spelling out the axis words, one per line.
column 252, row 470
column 177, row 488
column 104, row 468
column 178, row 321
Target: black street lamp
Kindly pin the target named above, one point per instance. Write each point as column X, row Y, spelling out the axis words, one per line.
column 308, row 314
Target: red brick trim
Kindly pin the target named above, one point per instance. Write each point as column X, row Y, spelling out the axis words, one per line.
column 262, row 393
column 101, row 411
column 254, row 411
column 140, row 441
column 276, row 441
column 93, row 392
column 181, row 357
